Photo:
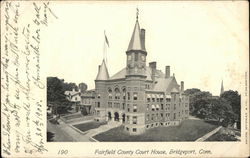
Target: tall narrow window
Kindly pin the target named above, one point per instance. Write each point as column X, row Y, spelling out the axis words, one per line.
column 117, row 93
column 110, row 93
column 134, row 108
column 110, row 96
column 128, row 119
column 152, row 117
column 135, row 95
column 124, row 94
column 134, row 119
column 136, row 56
column 128, row 95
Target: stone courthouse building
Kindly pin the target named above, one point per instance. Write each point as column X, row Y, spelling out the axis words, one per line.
column 139, row 96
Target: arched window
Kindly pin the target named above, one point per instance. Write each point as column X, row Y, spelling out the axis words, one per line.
column 110, row 93
column 117, row 93
column 124, row 93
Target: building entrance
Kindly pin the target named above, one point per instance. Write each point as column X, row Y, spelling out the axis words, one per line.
column 116, row 116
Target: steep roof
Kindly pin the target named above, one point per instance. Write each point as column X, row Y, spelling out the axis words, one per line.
column 166, row 84
column 135, row 41
column 122, row 74
column 102, row 72
column 161, row 83
column 72, row 93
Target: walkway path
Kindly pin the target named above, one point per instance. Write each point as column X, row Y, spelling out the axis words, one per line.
column 66, row 133
column 201, row 139
column 57, row 134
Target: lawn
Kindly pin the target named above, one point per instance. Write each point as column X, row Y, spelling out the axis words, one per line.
column 90, row 125
column 189, row 130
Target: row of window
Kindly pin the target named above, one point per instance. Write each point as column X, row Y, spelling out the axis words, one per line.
column 116, row 105
column 87, row 101
column 133, row 129
column 134, row 108
column 154, row 117
column 118, row 96
column 161, row 100
column 157, row 124
column 135, row 97
column 134, row 120
column 156, row 107
column 157, row 116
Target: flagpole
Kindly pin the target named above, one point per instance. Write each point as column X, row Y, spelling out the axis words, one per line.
column 105, row 49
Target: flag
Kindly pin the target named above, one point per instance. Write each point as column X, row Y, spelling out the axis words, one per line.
column 106, row 39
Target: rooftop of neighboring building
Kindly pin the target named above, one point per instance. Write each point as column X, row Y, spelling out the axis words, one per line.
column 71, row 93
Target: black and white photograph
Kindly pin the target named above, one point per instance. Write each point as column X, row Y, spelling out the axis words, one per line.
column 125, row 78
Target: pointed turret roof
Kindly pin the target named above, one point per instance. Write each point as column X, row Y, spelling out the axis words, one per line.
column 136, row 41
column 102, row 72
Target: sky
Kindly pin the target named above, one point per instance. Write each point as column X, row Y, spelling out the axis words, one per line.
column 203, row 42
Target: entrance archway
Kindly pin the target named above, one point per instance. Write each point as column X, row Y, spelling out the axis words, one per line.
column 116, row 116
column 109, row 115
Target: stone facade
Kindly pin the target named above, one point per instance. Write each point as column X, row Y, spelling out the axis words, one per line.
column 139, row 96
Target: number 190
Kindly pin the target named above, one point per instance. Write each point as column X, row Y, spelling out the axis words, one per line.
column 62, row 152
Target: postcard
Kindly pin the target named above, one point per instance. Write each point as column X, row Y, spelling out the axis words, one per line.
column 124, row 79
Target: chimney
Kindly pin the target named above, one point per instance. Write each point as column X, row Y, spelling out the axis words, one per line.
column 167, row 71
column 143, row 39
column 152, row 65
column 99, row 67
column 182, row 86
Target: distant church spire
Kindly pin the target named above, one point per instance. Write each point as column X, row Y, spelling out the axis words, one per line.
column 137, row 13
column 222, row 88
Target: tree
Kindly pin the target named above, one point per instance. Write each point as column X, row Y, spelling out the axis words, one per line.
column 84, row 111
column 69, row 86
column 54, row 89
column 197, row 101
column 83, row 87
column 55, row 95
column 202, row 108
column 233, row 99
